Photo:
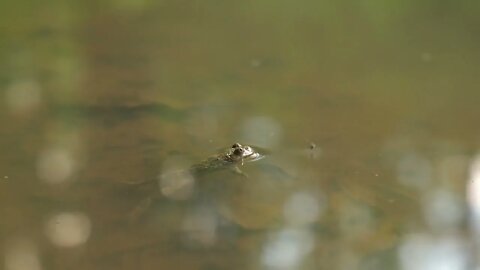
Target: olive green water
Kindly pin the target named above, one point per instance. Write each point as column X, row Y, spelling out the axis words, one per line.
column 98, row 98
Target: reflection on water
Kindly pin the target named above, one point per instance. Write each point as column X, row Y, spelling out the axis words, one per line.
column 68, row 229
column 473, row 195
column 303, row 208
column 55, row 166
column 423, row 251
column 367, row 113
column 21, row 254
column 287, row 249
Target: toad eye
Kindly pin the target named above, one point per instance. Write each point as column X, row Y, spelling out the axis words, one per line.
column 248, row 149
column 238, row 151
column 236, row 145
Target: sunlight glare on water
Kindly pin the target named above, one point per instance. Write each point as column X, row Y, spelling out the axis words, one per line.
column 55, row 165
column 428, row 252
column 22, row 254
column 473, row 196
column 365, row 114
column 68, row 229
column 303, row 208
column 287, row 249
column 443, row 210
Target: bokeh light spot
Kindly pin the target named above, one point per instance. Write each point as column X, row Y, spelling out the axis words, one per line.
column 302, row 208
column 443, row 210
column 55, row 165
column 21, row 254
column 424, row 252
column 287, row 249
column 68, row 229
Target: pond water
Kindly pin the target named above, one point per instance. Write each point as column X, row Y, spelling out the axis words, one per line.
column 367, row 113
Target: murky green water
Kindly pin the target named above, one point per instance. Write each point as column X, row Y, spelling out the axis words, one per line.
column 368, row 110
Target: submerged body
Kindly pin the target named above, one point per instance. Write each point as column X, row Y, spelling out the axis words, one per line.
column 230, row 158
column 178, row 184
column 174, row 182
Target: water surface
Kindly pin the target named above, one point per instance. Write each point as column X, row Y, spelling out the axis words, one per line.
column 98, row 100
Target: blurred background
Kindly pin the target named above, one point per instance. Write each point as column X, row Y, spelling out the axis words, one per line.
column 368, row 109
